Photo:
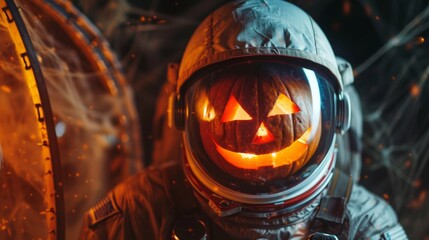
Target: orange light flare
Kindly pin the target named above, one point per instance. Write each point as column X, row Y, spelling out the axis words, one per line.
column 416, row 183
column 5, row 89
column 347, row 7
column 209, row 114
column 407, row 164
column 288, row 155
column 419, row 201
column 386, row 196
column 205, row 111
column 151, row 20
column 420, row 40
column 415, row 90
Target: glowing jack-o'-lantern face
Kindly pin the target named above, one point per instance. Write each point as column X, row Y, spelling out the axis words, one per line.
column 283, row 105
column 257, row 127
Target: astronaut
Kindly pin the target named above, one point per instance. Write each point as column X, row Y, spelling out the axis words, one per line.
column 260, row 100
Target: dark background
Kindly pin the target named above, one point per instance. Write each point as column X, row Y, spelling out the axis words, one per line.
column 385, row 41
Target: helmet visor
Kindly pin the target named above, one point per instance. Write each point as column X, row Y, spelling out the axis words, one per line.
column 253, row 125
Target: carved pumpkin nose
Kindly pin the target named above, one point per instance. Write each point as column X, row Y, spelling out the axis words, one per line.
column 263, row 135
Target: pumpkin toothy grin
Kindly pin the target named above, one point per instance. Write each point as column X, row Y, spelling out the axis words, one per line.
column 286, row 156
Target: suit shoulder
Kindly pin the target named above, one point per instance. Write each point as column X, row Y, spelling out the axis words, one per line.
column 371, row 216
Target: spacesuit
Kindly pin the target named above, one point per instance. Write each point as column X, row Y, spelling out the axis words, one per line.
column 260, row 99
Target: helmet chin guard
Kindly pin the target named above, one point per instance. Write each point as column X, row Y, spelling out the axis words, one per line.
column 224, row 201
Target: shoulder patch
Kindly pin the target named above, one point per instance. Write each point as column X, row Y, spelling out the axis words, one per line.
column 103, row 210
column 397, row 232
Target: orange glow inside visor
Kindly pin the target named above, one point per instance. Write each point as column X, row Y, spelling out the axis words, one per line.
column 286, row 156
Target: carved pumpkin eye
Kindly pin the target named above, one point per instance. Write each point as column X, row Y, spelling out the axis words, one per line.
column 283, row 105
column 233, row 111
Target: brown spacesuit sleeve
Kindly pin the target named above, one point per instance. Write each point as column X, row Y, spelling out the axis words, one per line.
column 136, row 209
column 105, row 220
